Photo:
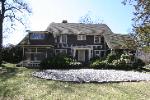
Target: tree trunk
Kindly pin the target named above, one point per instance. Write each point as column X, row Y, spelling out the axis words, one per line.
column 1, row 37
column 1, row 28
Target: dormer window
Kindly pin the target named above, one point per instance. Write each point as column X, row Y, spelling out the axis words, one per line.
column 97, row 39
column 37, row 36
column 81, row 37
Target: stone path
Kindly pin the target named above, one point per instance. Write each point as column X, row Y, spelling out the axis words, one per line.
column 91, row 75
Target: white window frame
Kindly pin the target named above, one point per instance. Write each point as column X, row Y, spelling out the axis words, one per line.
column 97, row 46
column 81, row 37
column 95, row 39
column 61, row 38
column 37, row 36
column 99, row 55
column 60, row 51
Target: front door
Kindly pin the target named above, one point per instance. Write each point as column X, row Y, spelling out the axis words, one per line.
column 81, row 55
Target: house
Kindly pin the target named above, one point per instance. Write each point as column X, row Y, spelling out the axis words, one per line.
column 81, row 41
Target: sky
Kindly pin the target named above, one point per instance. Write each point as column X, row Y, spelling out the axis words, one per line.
column 111, row 12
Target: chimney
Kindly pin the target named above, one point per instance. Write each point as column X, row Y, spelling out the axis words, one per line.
column 64, row 21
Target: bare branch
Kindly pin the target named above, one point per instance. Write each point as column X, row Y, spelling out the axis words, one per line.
column 15, row 8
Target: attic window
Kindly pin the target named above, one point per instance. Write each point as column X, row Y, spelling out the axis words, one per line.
column 37, row 36
column 81, row 37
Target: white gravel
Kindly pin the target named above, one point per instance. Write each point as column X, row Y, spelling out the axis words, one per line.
column 92, row 75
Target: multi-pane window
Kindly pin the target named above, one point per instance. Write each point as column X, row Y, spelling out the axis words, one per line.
column 63, row 38
column 62, row 51
column 81, row 37
column 97, row 53
column 97, row 39
column 37, row 36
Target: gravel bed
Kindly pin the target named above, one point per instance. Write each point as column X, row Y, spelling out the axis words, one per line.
column 92, row 75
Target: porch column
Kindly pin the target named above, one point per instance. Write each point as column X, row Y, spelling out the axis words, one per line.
column 46, row 54
column 74, row 52
column 23, row 52
column 23, row 56
column 89, row 54
column 35, row 53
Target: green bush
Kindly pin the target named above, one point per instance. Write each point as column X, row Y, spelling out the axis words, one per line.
column 59, row 62
column 98, row 64
column 12, row 54
column 138, row 63
column 113, row 61
column 112, row 57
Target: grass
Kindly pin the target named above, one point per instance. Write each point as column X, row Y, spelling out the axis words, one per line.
column 18, row 84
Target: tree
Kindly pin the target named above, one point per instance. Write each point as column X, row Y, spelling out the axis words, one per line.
column 12, row 54
column 12, row 11
column 141, row 26
column 87, row 19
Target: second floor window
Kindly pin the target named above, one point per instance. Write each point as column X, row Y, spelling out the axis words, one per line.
column 37, row 36
column 81, row 37
column 97, row 39
column 63, row 38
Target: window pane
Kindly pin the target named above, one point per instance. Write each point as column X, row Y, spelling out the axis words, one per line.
column 37, row 36
column 81, row 37
column 64, row 38
column 96, row 39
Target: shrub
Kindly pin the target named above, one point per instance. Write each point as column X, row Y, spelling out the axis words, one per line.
column 112, row 57
column 59, row 62
column 12, row 54
column 98, row 64
column 138, row 63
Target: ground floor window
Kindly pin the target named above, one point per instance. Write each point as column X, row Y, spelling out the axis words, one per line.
column 97, row 53
column 60, row 51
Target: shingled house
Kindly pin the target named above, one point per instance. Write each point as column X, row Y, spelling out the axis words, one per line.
column 81, row 41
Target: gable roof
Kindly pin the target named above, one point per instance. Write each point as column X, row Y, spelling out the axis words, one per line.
column 77, row 28
column 120, row 41
column 114, row 41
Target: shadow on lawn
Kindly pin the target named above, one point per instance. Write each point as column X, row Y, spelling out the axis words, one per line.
column 143, row 70
column 7, row 72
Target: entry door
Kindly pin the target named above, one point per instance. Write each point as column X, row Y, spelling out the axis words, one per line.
column 81, row 55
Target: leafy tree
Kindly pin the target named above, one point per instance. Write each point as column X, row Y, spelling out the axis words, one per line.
column 12, row 54
column 87, row 19
column 11, row 11
column 141, row 26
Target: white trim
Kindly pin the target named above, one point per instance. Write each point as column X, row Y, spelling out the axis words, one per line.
column 99, row 41
column 75, row 48
column 37, row 45
column 61, row 51
column 99, row 55
column 61, row 40
column 81, row 37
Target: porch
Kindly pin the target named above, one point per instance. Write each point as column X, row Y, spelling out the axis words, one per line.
column 33, row 55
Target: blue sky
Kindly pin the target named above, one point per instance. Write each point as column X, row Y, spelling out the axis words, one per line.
column 111, row 12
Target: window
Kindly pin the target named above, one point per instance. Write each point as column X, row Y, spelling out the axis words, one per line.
column 97, row 53
column 97, row 39
column 37, row 36
column 63, row 39
column 81, row 37
column 97, row 47
column 62, row 51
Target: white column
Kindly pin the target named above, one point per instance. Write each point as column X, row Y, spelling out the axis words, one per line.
column 23, row 57
column 89, row 53
column 35, row 53
column 23, row 52
column 46, row 54
column 74, row 52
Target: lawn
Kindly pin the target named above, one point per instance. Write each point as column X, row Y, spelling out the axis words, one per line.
column 18, row 84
